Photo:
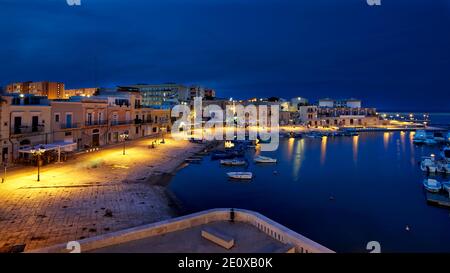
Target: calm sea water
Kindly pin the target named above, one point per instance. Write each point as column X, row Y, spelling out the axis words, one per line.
column 374, row 180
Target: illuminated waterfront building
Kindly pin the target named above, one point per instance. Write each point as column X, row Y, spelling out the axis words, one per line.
column 339, row 113
column 87, row 92
column 85, row 122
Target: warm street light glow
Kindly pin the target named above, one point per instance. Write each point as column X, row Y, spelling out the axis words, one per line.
column 38, row 152
column 124, row 137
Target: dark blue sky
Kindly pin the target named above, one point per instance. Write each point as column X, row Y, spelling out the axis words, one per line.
column 396, row 56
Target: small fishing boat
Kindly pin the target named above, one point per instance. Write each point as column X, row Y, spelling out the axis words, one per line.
column 295, row 135
column 314, row 135
column 264, row 159
column 193, row 160
column 232, row 162
column 446, row 186
column 443, row 167
column 350, row 132
column 263, row 141
column 432, row 185
column 240, row 175
column 222, row 155
column 428, row 164
column 430, row 140
column 419, row 137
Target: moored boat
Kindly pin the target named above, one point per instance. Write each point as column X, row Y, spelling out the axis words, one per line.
column 264, row 159
column 443, row 167
column 240, row 175
column 419, row 137
column 222, row 155
column 428, row 164
column 314, row 135
column 430, row 141
column 232, row 162
column 432, row 185
column 446, row 186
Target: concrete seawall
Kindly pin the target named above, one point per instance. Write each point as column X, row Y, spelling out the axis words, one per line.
column 264, row 224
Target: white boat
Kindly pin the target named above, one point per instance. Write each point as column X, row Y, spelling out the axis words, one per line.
column 232, row 162
column 240, row 175
column 443, row 167
column 432, row 185
column 264, row 159
column 428, row 164
column 430, row 140
column 314, row 135
column 446, row 186
column 419, row 137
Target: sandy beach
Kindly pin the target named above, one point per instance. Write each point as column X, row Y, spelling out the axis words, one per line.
column 92, row 194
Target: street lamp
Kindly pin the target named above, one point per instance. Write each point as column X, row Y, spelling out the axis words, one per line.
column 38, row 153
column 124, row 136
column 162, row 135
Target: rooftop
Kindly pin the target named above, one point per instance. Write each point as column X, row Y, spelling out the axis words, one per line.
column 250, row 231
column 248, row 240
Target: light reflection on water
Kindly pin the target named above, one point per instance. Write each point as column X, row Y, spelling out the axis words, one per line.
column 299, row 157
column 323, row 150
column 377, row 190
column 355, row 148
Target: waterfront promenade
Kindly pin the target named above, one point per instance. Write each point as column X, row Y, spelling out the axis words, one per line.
column 92, row 194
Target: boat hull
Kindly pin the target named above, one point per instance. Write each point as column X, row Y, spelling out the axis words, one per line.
column 240, row 175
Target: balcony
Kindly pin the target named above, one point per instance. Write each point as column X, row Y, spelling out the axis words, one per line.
column 96, row 123
column 122, row 122
column 21, row 130
column 142, row 121
column 69, row 125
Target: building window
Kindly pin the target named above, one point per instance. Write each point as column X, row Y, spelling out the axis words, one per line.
column 68, row 133
column 56, row 117
column 68, row 120
column 115, row 119
column 89, row 118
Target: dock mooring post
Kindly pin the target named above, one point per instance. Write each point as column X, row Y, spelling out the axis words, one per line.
column 232, row 215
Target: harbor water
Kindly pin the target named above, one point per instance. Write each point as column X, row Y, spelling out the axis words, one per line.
column 342, row 192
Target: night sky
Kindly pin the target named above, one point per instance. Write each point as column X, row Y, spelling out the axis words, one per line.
column 394, row 57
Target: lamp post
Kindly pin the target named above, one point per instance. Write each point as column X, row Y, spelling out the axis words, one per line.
column 124, row 136
column 162, row 135
column 38, row 152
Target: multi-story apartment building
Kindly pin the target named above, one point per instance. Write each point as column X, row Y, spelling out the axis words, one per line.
column 155, row 95
column 166, row 95
column 343, row 113
column 346, row 103
column 52, row 90
column 85, row 122
column 87, row 92
column 18, row 87
column 80, row 120
column 25, row 121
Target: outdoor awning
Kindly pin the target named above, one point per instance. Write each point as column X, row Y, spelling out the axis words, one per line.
column 62, row 146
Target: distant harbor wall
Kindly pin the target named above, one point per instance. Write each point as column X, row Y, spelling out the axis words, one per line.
column 264, row 224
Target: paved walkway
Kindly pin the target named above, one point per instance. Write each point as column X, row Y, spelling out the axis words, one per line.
column 93, row 194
